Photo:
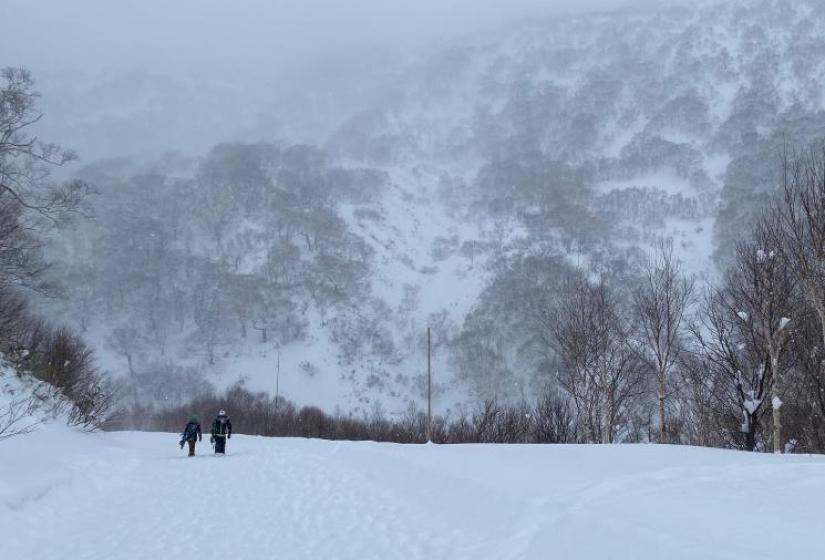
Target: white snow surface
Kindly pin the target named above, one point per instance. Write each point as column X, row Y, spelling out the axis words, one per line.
column 121, row 496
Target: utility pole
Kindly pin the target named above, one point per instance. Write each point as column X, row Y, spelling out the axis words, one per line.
column 278, row 380
column 429, row 387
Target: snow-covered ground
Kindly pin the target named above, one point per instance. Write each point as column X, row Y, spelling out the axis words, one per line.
column 66, row 494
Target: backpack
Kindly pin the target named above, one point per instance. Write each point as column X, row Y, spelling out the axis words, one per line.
column 191, row 431
column 219, row 428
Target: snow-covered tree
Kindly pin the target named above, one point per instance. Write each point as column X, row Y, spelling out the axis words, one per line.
column 800, row 236
column 743, row 333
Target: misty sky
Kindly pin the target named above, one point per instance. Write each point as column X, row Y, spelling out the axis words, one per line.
column 256, row 64
column 251, row 35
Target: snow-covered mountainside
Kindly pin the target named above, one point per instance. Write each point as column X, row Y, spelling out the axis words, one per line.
column 468, row 184
column 128, row 496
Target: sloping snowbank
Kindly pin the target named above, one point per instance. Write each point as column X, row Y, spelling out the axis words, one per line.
column 18, row 412
column 38, row 451
column 65, row 494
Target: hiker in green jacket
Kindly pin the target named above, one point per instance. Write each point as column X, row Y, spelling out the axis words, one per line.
column 191, row 433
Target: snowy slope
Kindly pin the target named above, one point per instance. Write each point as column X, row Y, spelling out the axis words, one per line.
column 65, row 494
column 419, row 277
column 667, row 118
column 660, row 108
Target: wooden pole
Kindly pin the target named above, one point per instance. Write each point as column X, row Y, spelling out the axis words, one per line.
column 278, row 379
column 429, row 387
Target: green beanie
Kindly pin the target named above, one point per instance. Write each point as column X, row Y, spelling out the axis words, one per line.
column 193, row 417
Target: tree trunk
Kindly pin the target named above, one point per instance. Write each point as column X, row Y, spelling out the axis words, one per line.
column 750, row 435
column 777, row 410
column 611, row 415
column 777, row 430
column 662, row 427
column 588, row 424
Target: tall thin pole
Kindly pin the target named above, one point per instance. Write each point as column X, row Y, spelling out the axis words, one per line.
column 429, row 387
column 278, row 379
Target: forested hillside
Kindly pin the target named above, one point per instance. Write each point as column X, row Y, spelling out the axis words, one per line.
column 464, row 191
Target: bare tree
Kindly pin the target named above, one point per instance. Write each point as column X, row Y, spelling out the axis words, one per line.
column 126, row 341
column 601, row 372
column 68, row 366
column 767, row 290
column 553, row 419
column 660, row 303
column 244, row 294
column 697, row 405
column 18, row 418
column 800, row 236
column 262, row 326
column 743, row 334
column 25, row 161
column 207, row 312
column 731, row 372
column 803, row 415
column 14, row 319
column 29, row 204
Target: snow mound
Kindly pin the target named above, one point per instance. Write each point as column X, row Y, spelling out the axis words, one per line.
column 135, row 496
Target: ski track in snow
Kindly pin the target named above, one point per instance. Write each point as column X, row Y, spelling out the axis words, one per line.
column 252, row 503
column 133, row 496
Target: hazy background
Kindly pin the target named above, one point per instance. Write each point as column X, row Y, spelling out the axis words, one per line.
column 253, row 36
column 138, row 79
column 314, row 185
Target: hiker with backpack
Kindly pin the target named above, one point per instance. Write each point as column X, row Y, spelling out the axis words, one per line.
column 221, row 431
column 191, row 433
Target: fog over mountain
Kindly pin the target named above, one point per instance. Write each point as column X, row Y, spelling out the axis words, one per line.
column 307, row 190
column 138, row 78
column 257, row 36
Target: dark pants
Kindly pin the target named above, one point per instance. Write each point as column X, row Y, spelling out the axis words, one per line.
column 220, row 444
column 191, row 443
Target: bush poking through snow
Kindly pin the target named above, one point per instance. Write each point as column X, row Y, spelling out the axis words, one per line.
column 62, row 360
column 18, row 417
